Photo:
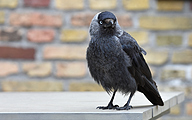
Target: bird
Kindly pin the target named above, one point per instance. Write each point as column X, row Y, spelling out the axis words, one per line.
column 115, row 61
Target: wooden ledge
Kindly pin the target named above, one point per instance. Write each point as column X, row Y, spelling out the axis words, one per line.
column 80, row 106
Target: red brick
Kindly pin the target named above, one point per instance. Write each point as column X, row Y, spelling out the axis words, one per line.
column 82, row 19
column 124, row 20
column 10, row 34
column 37, row 3
column 20, row 19
column 8, row 68
column 68, row 52
column 35, row 19
column 37, row 35
column 16, row 53
column 189, row 108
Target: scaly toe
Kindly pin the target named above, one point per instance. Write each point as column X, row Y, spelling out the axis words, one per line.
column 124, row 108
column 108, row 107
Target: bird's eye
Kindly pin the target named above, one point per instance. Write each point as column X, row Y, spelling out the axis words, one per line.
column 100, row 22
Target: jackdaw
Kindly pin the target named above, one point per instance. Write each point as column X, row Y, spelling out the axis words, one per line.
column 116, row 62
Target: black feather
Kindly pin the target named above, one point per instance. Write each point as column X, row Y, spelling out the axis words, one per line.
column 115, row 61
column 141, row 72
column 105, row 15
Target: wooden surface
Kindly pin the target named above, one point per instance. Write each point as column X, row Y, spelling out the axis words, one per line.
column 80, row 106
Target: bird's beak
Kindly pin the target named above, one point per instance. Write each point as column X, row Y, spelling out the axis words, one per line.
column 109, row 23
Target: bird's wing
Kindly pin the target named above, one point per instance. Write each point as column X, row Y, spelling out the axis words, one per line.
column 140, row 70
column 139, row 67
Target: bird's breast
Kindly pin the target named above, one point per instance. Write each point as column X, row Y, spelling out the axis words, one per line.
column 106, row 55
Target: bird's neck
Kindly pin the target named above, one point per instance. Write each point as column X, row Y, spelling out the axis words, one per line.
column 107, row 32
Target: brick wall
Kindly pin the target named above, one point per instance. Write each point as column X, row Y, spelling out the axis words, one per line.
column 43, row 44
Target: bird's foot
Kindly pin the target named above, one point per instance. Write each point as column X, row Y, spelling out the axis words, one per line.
column 108, row 107
column 126, row 107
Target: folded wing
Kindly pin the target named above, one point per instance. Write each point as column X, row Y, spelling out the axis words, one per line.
column 141, row 72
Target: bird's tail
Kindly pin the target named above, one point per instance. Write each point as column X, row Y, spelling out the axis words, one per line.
column 152, row 93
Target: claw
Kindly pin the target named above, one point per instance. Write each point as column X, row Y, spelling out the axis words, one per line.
column 124, row 108
column 108, row 107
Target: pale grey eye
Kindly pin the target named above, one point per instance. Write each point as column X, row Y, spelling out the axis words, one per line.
column 100, row 22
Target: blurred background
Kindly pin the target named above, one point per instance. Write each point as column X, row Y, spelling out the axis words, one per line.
column 43, row 44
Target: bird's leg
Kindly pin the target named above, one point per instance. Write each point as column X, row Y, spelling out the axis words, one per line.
column 126, row 106
column 110, row 105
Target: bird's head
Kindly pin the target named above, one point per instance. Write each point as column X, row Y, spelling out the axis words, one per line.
column 107, row 20
column 104, row 22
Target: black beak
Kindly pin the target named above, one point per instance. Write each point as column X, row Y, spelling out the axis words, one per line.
column 109, row 23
